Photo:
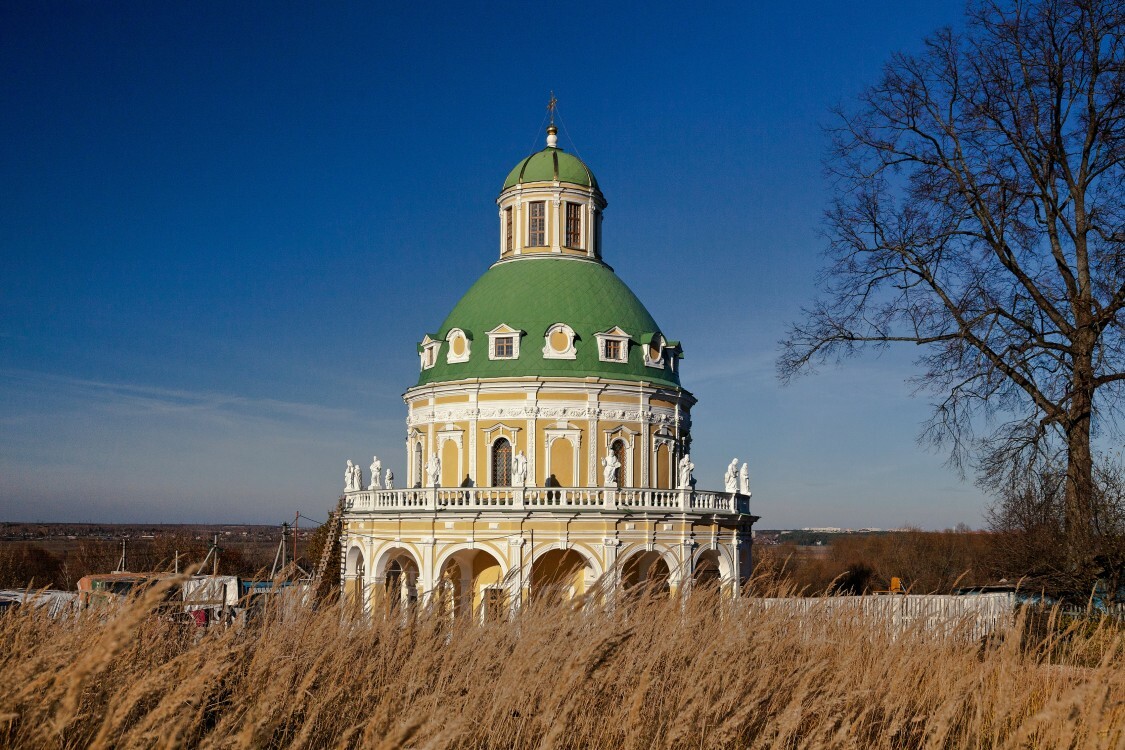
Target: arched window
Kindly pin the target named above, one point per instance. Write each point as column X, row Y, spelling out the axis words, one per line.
column 417, row 464
column 618, row 448
column 502, row 463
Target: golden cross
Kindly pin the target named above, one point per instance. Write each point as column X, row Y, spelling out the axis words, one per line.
column 551, row 107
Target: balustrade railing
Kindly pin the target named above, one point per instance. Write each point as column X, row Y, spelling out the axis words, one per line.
column 631, row 499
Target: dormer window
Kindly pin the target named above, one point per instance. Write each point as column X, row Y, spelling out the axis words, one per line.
column 537, row 224
column 613, row 345
column 428, row 351
column 460, row 343
column 654, row 350
column 574, row 225
column 559, row 342
column 504, row 342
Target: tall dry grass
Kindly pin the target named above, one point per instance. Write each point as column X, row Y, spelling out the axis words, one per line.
column 649, row 673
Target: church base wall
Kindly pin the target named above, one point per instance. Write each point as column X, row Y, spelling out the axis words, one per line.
column 489, row 563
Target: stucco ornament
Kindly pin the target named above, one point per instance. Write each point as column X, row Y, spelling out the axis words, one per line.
column 390, row 480
column 433, row 471
column 730, row 478
column 686, row 480
column 744, row 480
column 519, row 470
column 376, row 473
column 610, row 465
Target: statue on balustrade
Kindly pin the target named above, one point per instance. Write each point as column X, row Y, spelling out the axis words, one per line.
column 610, row 466
column 390, row 480
column 353, row 479
column 730, row 479
column 433, row 471
column 685, row 481
column 744, row 480
column 519, row 470
column 376, row 473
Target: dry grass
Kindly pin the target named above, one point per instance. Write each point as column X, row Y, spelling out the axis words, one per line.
column 648, row 674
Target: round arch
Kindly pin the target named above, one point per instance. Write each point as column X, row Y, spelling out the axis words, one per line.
column 355, row 576
column 391, row 553
column 712, row 564
column 472, row 580
column 563, row 571
column 646, row 568
column 487, row 547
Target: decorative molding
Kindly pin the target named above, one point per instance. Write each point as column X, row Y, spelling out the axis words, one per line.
column 457, row 335
column 614, row 334
column 568, row 352
column 504, row 331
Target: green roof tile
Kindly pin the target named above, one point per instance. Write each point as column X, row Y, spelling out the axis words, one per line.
column 532, row 294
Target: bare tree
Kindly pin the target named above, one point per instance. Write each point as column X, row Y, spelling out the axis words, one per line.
column 980, row 214
column 1028, row 542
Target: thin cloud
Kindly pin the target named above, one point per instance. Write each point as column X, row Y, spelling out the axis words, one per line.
column 141, row 400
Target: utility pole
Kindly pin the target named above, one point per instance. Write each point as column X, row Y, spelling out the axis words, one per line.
column 280, row 552
column 296, row 520
column 215, row 563
column 121, row 562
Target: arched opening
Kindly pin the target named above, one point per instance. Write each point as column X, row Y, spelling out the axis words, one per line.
column 355, row 573
column 400, row 579
column 472, row 582
column 707, row 573
column 647, row 572
column 618, row 449
column 560, row 575
column 502, row 463
column 417, row 465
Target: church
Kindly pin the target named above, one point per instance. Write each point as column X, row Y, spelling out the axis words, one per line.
column 548, row 436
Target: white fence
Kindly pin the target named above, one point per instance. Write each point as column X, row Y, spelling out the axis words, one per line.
column 974, row 616
column 546, row 498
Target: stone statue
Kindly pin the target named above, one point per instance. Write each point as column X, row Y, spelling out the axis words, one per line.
column 357, row 478
column 730, row 478
column 390, row 480
column 519, row 470
column 349, row 477
column 610, row 465
column 376, row 473
column 686, row 467
column 744, row 480
column 433, row 471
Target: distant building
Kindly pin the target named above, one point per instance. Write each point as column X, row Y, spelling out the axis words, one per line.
column 548, row 435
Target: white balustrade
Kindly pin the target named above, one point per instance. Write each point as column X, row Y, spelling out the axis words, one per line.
column 630, row 499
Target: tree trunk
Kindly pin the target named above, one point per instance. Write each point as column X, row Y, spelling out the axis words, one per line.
column 1079, row 494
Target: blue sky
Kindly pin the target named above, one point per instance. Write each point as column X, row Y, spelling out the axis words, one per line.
column 224, row 226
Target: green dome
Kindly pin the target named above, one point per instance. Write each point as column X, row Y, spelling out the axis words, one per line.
column 532, row 294
column 549, row 165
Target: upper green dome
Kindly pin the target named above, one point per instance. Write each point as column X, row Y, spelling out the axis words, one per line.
column 549, row 165
column 532, row 294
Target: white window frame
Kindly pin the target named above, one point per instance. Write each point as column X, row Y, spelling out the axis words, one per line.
column 502, row 331
column 452, row 358
column 613, row 334
column 658, row 362
column 570, row 352
column 530, row 225
column 566, row 225
column 429, row 353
